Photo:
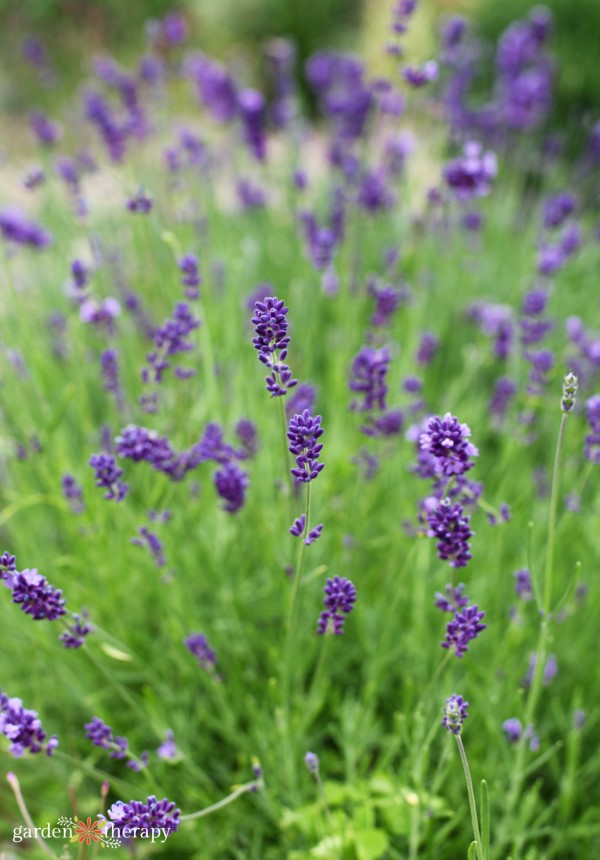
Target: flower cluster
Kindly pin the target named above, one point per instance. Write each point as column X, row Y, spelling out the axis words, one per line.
column 462, row 629
column 102, row 736
column 170, row 339
column 23, row 728
column 108, row 476
column 16, row 228
column 446, row 440
column 448, row 523
column 298, row 528
column 340, row 597
column 471, row 175
column 303, row 433
column 197, row 644
column 271, row 341
column 73, row 493
column 76, row 630
column 592, row 440
column 147, row 816
column 33, row 593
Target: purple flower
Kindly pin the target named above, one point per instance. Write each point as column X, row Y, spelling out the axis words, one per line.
column 512, row 729
column 271, row 342
column 557, row 209
column 592, row 440
column 303, row 433
column 153, row 543
column 174, row 28
column 191, row 279
column 297, row 527
column 569, row 392
column 340, row 597
column 215, row 86
column 250, row 195
column 428, row 348
column 151, row 815
column 523, row 587
column 446, row 440
column 314, row 534
column 171, row 338
column 550, row 670
column 73, row 493
column 464, row 627
column 504, row 391
column 33, row 178
column 374, row 194
column 140, row 203
column 80, row 273
column 77, row 630
column 448, row 524
column 100, row 313
column 453, row 599
column 44, row 130
column 247, row 434
column 455, row 713
column 302, row 398
column 419, row 77
column 251, row 107
column 369, row 371
column 197, row 644
column 471, row 175
column 311, row 760
column 109, row 364
column 231, row 483
column 297, row 530
column 35, row 595
column 100, row 734
column 108, row 476
column 387, row 300
column 23, row 728
column 167, row 750
column 15, row 227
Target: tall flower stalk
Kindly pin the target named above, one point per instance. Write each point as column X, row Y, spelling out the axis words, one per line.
column 567, row 406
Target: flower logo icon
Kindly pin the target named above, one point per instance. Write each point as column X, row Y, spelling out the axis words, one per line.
column 88, row 831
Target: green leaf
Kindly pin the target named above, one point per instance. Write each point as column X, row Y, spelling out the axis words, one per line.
column 471, row 852
column 370, row 843
column 115, row 653
column 485, row 820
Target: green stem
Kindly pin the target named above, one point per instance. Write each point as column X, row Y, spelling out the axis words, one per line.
column 538, row 674
column 284, row 426
column 470, row 792
column 300, row 564
column 242, row 789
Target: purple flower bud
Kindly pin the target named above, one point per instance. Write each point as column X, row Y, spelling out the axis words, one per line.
column 455, row 713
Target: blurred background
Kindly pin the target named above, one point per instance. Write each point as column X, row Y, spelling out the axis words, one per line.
column 72, row 31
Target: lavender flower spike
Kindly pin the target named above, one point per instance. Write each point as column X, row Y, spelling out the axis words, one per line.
column 303, row 433
column 455, row 713
column 23, row 728
column 340, row 597
column 464, row 627
column 108, row 476
column 272, row 341
column 136, row 816
column 447, row 440
column 569, row 393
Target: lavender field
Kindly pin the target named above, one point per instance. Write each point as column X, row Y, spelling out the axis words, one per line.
column 300, row 399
